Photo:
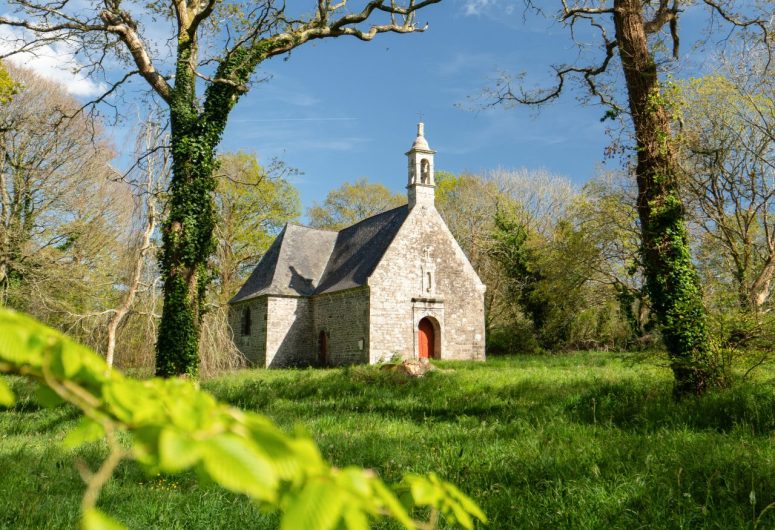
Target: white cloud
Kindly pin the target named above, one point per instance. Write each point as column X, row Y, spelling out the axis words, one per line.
column 56, row 62
column 505, row 12
column 476, row 7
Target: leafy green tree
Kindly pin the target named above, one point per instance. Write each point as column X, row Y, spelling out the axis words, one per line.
column 515, row 252
column 43, row 161
column 606, row 213
column 631, row 36
column 570, row 261
column 64, row 221
column 530, row 206
column 587, row 309
column 217, row 48
column 252, row 205
column 513, row 227
column 351, row 203
column 728, row 141
column 8, row 87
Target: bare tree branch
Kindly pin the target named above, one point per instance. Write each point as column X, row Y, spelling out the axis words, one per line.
column 763, row 25
column 125, row 28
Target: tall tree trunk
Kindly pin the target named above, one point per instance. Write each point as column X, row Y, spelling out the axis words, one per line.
column 671, row 278
column 188, row 242
column 5, row 236
column 188, row 230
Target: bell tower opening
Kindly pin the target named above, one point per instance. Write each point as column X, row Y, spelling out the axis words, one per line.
column 421, row 181
column 425, row 171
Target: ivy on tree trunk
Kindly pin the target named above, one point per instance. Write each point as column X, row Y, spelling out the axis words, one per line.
column 671, row 279
column 188, row 230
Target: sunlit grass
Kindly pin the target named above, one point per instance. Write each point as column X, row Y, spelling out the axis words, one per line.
column 574, row 441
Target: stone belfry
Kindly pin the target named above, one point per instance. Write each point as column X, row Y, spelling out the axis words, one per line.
column 421, row 178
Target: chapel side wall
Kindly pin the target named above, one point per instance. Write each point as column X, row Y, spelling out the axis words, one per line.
column 252, row 346
column 398, row 279
column 344, row 316
column 289, row 332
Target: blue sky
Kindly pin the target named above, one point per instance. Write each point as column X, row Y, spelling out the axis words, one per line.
column 341, row 109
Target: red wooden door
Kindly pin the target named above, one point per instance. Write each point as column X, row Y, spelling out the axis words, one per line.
column 426, row 338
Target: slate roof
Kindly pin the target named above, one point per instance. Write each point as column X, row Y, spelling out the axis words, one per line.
column 292, row 265
column 359, row 248
column 304, row 261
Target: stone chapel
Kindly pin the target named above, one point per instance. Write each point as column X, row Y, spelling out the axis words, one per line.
column 394, row 285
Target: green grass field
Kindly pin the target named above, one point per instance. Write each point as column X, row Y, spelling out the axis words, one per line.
column 588, row 440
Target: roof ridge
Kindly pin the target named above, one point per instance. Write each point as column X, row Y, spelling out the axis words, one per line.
column 301, row 225
column 301, row 263
column 373, row 216
column 266, row 280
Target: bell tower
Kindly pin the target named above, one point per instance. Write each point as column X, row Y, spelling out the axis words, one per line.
column 421, row 178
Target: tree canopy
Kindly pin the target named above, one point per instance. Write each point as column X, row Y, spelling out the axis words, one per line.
column 351, row 203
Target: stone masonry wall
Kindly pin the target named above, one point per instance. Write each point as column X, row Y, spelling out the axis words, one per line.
column 252, row 346
column 423, row 273
column 289, row 332
column 454, row 297
column 344, row 316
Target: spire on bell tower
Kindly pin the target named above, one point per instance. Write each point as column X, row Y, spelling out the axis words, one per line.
column 421, row 178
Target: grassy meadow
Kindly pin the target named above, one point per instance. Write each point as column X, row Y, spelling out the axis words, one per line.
column 585, row 440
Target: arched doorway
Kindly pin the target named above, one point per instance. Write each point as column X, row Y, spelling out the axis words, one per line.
column 426, row 338
column 322, row 349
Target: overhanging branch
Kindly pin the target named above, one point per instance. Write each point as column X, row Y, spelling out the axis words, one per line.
column 589, row 73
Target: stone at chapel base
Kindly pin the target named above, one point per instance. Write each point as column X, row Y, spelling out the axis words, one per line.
column 410, row 368
column 395, row 284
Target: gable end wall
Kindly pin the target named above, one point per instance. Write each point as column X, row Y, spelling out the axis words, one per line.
column 457, row 301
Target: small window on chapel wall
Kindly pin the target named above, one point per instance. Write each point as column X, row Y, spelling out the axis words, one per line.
column 246, row 321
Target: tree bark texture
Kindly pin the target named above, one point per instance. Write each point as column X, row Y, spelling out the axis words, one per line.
column 188, row 230
column 760, row 290
column 187, row 234
column 671, row 278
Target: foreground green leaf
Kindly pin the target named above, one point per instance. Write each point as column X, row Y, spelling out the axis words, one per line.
column 87, row 430
column 93, row 519
column 318, row 507
column 173, row 426
column 6, row 395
